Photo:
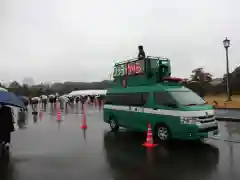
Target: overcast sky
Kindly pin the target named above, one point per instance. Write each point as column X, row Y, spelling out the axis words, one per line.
column 58, row 40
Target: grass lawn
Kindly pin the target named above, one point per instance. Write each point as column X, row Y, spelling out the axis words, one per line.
column 221, row 101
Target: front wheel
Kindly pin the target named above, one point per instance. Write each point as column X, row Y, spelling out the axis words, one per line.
column 163, row 133
column 113, row 125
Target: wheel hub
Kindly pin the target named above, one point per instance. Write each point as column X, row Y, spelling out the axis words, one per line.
column 162, row 133
column 113, row 124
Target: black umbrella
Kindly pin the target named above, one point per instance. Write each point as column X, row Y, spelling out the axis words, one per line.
column 24, row 99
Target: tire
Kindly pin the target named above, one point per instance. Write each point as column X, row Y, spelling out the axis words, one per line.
column 1, row 150
column 4, row 151
column 113, row 125
column 162, row 133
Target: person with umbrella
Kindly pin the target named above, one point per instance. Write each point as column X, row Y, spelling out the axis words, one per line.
column 22, row 118
column 26, row 101
column 44, row 101
column 6, row 126
column 77, row 99
column 6, row 117
column 62, row 101
column 22, row 113
column 35, row 101
column 82, row 100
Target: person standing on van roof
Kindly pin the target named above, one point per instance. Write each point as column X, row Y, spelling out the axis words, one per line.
column 141, row 53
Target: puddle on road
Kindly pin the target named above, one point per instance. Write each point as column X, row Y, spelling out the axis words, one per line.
column 228, row 113
column 229, row 131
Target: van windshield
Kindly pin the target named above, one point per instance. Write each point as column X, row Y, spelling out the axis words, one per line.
column 187, row 98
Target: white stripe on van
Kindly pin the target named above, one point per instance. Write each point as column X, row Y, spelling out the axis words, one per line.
column 161, row 111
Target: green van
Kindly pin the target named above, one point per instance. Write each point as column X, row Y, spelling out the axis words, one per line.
column 173, row 111
column 144, row 92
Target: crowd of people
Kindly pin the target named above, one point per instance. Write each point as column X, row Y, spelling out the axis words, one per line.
column 7, row 115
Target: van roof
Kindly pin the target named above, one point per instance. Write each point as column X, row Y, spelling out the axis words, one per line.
column 156, row 87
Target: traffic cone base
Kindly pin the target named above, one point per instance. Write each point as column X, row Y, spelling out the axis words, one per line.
column 146, row 144
column 84, row 126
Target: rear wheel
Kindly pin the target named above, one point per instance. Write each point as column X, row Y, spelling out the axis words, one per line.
column 163, row 133
column 113, row 125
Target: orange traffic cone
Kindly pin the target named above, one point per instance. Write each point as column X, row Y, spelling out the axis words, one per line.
column 58, row 116
column 84, row 121
column 149, row 141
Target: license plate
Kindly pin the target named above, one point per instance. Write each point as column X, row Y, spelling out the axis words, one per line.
column 212, row 133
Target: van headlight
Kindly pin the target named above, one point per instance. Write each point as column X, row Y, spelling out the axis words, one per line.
column 188, row 120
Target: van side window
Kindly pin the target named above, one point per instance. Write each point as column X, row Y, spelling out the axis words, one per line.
column 112, row 99
column 163, row 98
column 135, row 99
column 127, row 99
column 145, row 96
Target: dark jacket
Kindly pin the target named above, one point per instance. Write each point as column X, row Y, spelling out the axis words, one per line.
column 6, row 120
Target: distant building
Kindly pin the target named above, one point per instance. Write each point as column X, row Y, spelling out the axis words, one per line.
column 29, row 81
column 14, row 84
column 49, row 84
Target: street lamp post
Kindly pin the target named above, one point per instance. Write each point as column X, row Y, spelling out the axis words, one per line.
column 226, row 44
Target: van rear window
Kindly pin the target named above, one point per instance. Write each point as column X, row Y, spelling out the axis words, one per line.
column 187, row 98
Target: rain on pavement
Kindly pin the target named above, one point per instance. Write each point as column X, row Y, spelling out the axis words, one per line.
column 231, row 113
column 61, row 150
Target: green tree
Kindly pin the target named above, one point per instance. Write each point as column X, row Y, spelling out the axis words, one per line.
column 201, row 79
column 199, row 75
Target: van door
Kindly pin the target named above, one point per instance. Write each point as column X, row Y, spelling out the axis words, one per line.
column 166, row 110
column 123, row 113
column 136, row 116
column 117, row 108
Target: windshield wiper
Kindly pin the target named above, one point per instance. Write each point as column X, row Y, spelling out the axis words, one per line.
column 190, row 104
column 194, row 104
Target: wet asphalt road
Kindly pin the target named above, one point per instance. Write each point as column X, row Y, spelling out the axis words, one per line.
column 230, row 113
column 49, row 150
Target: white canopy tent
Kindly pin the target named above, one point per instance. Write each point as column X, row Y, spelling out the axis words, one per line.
column 66, row 95
column 88, row 92
column 2, row 89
